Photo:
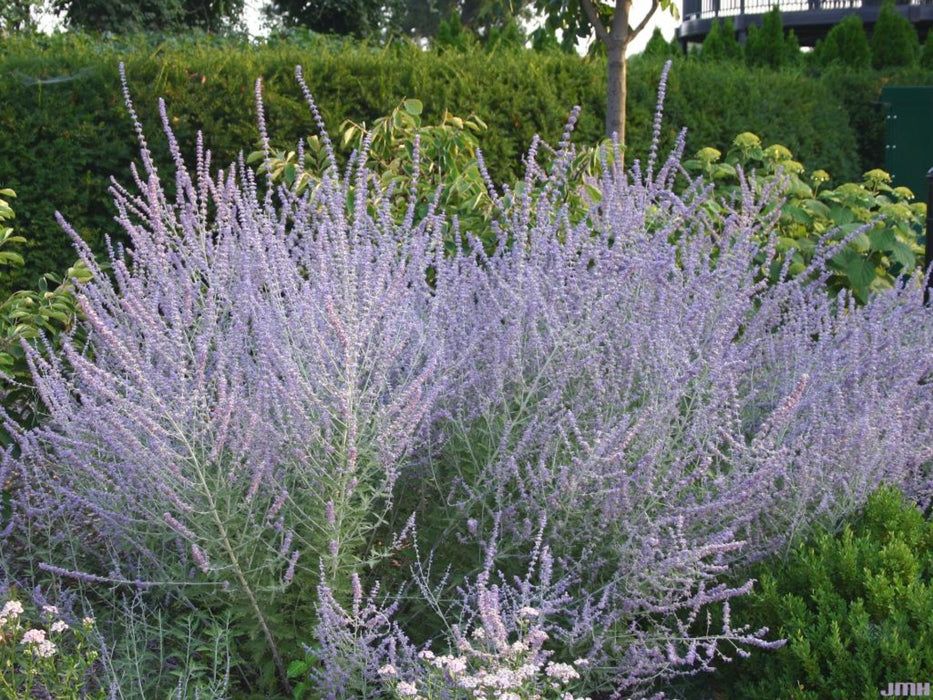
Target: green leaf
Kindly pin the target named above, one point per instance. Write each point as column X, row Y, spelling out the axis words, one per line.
column 797, row 214
column 413, row 107
column 903, row 255
column 10, row 258
column 723, row 170
column 817, row 208
column 786, row 243
column 881, row 239
column 296, row 668
column 841, row 215
column 861, row 243
column 289, row 173
column 57, row 315
column 859, row 269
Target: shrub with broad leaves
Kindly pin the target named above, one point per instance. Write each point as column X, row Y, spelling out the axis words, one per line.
column 878, row 221
column 308, row 413
column 46, row 312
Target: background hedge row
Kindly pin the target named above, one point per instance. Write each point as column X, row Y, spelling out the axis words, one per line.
column 64, row 130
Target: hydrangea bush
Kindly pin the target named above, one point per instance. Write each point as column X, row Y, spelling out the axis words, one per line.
column 373, row 453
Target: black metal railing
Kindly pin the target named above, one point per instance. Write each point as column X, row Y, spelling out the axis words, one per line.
column 707, row 9
column 928, row 260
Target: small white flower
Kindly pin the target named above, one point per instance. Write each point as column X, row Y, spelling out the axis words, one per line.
column 45, row 649
column 456, row 665
column 88, row 622
column 388, row 670
column 34, row 636
column 562, row 672
column 50, row 609
column 468, row 682
column 59, row 626
column 526, row 672
column 479, row 633
column 12, row 609
column 518, row 648
column 528, row 612
column 504, row 679
column 406, row 689
column 581, row 663
column 427, row 654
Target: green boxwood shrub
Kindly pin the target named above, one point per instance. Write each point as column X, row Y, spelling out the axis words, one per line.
column 856, row 609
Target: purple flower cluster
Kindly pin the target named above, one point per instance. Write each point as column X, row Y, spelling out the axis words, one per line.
column 616, row 403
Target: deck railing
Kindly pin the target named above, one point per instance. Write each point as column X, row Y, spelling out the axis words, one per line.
column 707, row 9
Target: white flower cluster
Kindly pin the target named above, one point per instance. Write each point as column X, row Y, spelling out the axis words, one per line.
column 515, row 671
column 35, row 640
column 12, row 609
column 37, row 643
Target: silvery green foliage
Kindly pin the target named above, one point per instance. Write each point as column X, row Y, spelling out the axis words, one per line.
column 613, row 410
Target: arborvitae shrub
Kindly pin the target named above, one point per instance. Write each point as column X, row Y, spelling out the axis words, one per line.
column 894, row 40
column 767, row 46
column 508, row 37
column 721, row 43
column 926, row 57
column 792, row 54
column 846, row 44
column 856, row 608
column 452, row 35
column 660, row 48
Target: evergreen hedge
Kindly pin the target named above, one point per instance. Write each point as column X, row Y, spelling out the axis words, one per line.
column 64, row 131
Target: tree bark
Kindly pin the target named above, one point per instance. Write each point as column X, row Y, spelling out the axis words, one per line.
column 616, row 39
column 616, row 93
column 617, row 73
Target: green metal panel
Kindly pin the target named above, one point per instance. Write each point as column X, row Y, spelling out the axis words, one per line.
column 908, row 151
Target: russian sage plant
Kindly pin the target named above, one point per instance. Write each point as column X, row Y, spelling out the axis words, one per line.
column 254, row 375
column 300, row 410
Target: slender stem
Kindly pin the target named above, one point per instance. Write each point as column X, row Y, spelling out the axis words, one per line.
column 254, row 604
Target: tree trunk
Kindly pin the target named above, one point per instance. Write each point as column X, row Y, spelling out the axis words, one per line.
column 615, row 103
column 617, row 88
